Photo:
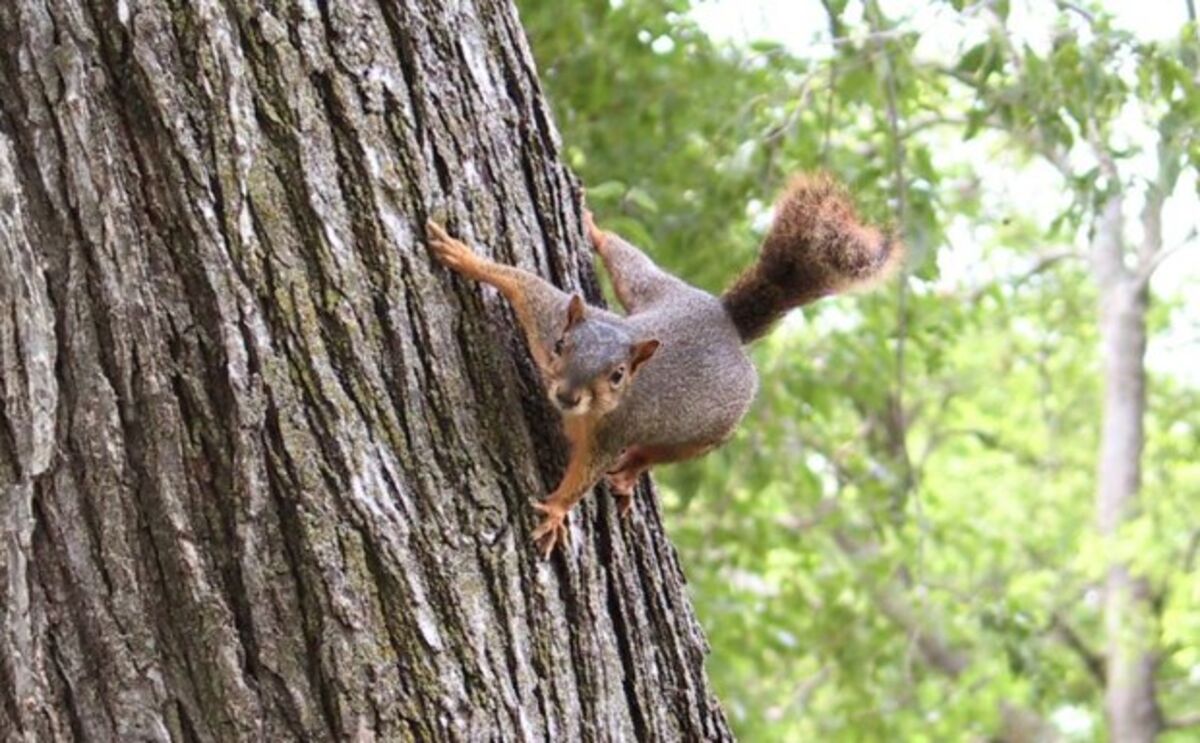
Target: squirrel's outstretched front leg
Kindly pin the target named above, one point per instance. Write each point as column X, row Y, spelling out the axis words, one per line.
column 636, row 279
column 586, row 465
column 537, row 303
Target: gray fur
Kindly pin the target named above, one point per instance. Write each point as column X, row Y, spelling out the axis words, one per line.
column 698, row 386
column 642, row 282
column 547, row 304
column 597, row 346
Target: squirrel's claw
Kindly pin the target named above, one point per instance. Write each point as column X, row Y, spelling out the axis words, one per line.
column 552, row 534
column 553, row 529
column 453, row 253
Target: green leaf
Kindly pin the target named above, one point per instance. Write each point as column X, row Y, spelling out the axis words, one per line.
column 973, row 59
column 606, row 190
column 642, row 199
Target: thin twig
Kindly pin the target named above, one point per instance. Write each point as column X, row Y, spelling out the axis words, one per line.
column 898, row 158
column 1040, row 265
column 1092, row 660
column 834, row 27
column 1063, row 4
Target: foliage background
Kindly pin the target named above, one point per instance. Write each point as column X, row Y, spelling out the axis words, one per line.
column 900, row 544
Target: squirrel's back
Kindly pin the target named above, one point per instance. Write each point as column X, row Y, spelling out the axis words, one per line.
column 700, row 383
column 816, row 246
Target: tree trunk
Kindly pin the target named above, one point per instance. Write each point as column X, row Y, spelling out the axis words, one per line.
column 1130, row 702
column 265, row 467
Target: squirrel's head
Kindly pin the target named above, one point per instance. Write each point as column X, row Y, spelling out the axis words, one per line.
column 593, row 362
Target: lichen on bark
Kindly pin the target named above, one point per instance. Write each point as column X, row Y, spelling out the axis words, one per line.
column 265, row 467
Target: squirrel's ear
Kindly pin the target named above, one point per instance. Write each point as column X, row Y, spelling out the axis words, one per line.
column 641, row 353
column 574, row 311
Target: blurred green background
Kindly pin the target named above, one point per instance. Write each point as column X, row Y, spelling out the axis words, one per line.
column 901, row 543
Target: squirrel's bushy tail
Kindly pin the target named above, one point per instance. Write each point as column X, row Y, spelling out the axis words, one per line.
column 816, row 247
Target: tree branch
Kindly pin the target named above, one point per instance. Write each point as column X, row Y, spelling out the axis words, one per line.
column 1182, row 723
column 1147, row 269
column 875, row 19
column 1091, row 659
column 1074, row 8
column 1031, row 138
column 1150, row 252
column 825, row 508
column 809, row 686
column 1193, row 549
column 935, row 649
column 1041, row 264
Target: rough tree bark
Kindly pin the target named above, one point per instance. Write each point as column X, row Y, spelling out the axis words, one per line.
column 265, row 467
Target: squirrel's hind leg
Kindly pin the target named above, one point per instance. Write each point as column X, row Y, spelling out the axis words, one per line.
column 635, row 278
column 623, row 477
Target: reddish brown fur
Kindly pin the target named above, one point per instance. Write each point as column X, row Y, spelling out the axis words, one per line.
column 816, row 247
column 622, row 479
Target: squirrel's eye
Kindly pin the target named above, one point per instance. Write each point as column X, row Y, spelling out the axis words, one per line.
column 558, row 347
column 616, row 376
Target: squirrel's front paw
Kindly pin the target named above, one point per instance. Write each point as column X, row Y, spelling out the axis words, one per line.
column 553, row 529
column 449, row 251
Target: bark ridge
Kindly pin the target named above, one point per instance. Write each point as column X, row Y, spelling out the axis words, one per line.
column 265, row 468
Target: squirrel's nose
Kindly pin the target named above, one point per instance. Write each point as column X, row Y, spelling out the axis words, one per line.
column 567, row 398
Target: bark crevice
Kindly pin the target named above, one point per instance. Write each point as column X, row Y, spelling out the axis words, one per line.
column 265, row 466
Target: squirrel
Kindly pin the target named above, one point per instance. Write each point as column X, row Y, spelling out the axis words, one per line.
column 670, row 380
